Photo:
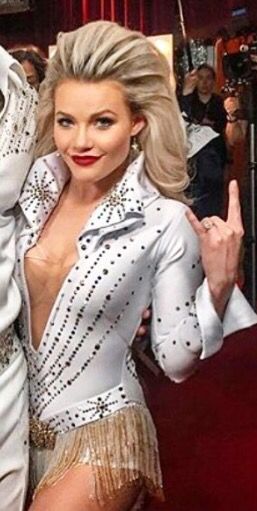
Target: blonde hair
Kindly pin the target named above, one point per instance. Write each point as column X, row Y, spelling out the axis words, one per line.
column 104, row 50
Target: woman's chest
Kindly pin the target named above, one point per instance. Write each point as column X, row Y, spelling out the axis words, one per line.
column 111, row 269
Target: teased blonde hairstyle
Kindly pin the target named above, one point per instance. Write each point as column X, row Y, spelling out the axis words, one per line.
column 103, row 50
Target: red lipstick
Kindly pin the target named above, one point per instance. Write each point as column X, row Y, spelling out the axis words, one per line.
column 85, row 160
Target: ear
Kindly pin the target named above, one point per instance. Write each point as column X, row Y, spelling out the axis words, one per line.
column 138, row 123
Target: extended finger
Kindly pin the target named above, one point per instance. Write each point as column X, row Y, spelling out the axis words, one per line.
column 234, row 209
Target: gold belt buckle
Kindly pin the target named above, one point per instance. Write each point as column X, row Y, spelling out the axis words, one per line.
column 41, row 435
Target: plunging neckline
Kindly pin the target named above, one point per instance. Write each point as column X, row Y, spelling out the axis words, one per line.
column 115, row 207
column 59, row 282
column 43, row 256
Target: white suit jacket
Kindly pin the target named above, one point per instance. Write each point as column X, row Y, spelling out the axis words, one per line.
column 17, row 138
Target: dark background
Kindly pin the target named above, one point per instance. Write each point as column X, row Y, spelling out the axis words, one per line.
column 48, row 17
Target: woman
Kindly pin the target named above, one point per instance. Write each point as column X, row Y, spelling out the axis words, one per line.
column 103, row 233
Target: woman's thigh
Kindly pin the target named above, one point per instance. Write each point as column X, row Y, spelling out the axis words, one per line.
column 74, row 492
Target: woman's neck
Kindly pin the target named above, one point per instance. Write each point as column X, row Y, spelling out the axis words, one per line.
column 78, row 191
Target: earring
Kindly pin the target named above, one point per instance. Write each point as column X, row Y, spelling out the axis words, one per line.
column 135, row 146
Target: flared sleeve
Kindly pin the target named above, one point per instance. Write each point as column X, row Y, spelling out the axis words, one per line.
column 185, row 325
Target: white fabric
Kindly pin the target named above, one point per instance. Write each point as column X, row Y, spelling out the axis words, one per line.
column 137, row 248
column 13, row 435
column 198, row 136
column 17, row 138
column 238, row 315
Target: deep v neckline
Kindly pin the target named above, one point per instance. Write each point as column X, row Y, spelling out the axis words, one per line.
column 45, row 257
column 59, row 293
column 66, row 271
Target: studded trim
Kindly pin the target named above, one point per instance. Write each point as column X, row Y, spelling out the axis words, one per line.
column 9, row 346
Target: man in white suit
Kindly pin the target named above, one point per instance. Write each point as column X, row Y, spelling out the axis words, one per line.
column 17, row 138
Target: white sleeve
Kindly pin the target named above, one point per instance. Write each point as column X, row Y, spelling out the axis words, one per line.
column 17, row 140
column 17, row 137
column 185, row 325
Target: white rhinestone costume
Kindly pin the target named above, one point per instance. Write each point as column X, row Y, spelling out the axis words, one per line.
column 136, row 249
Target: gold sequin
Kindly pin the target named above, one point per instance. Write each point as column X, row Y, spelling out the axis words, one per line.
column 121, row 448
column 41, row 435
column 6, row 347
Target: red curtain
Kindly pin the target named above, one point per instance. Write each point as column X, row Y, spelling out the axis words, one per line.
column 49, row 17
column 149, row 17
column 52, row 16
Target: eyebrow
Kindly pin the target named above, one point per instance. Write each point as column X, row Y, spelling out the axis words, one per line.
column 96, row 114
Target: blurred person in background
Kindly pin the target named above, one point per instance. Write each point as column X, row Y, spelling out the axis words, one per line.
column 33, row 64
column 203, row 107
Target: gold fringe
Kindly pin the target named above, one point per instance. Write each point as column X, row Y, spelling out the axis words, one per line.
column 121, row 448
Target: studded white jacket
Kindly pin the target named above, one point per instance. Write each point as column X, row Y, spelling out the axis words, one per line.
column 17, row 138
column 137, row 249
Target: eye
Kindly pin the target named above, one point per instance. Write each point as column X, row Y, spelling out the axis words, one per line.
column 64, row 122
column 104, row 122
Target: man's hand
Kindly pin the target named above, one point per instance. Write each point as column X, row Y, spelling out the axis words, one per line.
column 190, row 82
column 231, row 105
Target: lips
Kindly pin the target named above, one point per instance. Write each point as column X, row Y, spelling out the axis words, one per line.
column 85, row 160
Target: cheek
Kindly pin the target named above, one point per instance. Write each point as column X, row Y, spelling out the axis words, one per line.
column 60, row 138
column 117, row 142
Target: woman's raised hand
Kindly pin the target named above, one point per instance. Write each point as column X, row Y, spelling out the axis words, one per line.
column 220, row 243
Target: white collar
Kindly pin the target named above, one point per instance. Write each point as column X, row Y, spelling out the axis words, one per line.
column 49, row 174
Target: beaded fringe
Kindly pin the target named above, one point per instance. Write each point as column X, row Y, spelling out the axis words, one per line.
column 121, row 448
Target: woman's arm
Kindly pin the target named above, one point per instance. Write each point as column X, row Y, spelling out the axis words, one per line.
column 191, row 316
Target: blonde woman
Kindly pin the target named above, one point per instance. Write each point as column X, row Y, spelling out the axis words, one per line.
column 102, row 234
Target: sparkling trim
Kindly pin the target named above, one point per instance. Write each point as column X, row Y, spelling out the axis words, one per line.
column 121, row 449
column 41, row 435
column 7, row 348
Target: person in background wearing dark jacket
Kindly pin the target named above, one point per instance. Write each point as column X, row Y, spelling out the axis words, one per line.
column 205, row 108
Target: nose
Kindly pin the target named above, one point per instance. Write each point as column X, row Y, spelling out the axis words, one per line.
column 82, row 140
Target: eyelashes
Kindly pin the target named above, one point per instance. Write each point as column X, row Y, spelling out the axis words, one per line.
column 102, row 122
column 64, row 122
